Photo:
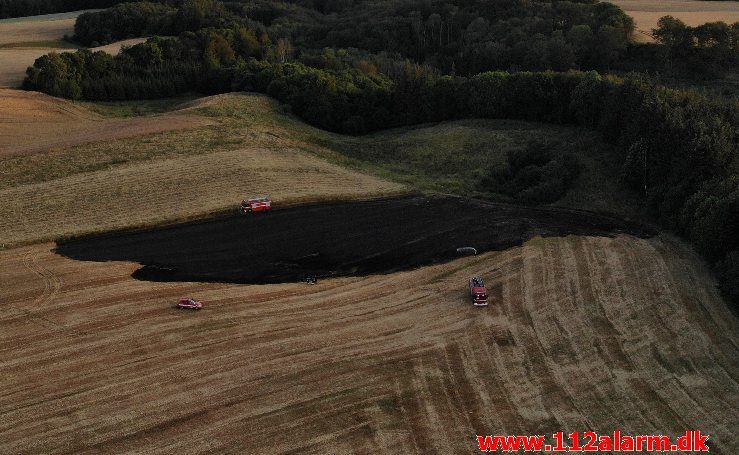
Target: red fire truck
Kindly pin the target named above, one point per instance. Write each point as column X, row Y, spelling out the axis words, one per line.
column 257, row 204
column 478, row 292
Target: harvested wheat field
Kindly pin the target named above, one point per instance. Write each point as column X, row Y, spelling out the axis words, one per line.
column 646, row 13
column 583, row 333
column 32, row 122
column 113, row 183
column 178, row 188
column 47, row 27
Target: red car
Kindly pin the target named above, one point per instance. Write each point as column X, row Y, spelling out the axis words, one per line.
column 187, row 303
column 257, row 204
column 478, row 291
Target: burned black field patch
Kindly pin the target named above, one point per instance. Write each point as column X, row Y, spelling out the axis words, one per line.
column 335, row 239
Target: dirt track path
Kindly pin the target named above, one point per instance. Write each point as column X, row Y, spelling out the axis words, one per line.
column 584, row 333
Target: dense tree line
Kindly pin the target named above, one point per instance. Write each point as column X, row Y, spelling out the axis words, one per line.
column 129, row 20
column 21, row 8
column 478, row 35
column 709, row 49
column 706, row 51
column 196, row 61
column 455, row 37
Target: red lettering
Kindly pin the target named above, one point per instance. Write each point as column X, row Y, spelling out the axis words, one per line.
column 575, row 439
column 627, row 443
column 605, row 444
column 699, row 442
column 590, row 438
column 485, row 443
column 559, row 438
column 683, row 442
column 658, row 443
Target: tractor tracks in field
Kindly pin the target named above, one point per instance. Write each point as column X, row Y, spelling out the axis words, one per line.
column 52, row 284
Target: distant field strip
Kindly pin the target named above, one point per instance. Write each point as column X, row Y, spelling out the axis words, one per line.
column 646, row 13
column 582, row 332
column 38, row 28
column 31, row 122
column 23, row 40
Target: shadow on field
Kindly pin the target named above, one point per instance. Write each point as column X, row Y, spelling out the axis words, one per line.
column 333, row 239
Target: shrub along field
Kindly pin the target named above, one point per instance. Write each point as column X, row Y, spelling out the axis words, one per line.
column 457, row 156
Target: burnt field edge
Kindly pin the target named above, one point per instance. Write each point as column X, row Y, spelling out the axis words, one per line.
column 336, row 238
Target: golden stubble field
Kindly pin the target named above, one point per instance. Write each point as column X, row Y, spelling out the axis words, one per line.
column 48, row 27
column 100, row 179
column 646, row 13
column 31, row 122
column 583, row 333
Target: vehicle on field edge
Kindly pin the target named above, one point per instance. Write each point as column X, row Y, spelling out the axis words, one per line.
column 254, row 205
column 188, row 303
column 478, row 291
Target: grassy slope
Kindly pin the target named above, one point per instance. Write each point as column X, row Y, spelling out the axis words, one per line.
column 256, row 147
column 171, row 176
column 446, row 157
column 453, row 156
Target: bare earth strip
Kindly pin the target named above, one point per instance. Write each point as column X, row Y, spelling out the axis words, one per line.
column 646, row 13
column 584, row 333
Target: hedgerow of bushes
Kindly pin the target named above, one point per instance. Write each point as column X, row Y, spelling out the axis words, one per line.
column 537, row 174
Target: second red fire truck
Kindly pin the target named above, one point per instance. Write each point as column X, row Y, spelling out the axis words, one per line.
column 478, row 291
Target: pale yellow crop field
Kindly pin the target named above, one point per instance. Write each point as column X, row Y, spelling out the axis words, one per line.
column 646, row 13
column 37, row 28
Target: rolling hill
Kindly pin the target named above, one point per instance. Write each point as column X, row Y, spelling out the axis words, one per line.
column 583, row 332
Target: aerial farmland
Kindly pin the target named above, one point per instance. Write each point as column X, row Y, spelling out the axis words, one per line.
column 146, row 311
